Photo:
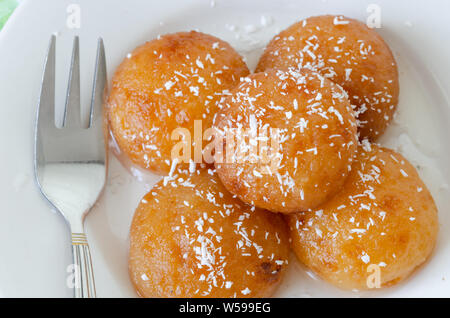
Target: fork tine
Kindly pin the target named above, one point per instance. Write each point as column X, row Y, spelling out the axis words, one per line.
column 72, row 117
column 99, row 84
column 46, row 106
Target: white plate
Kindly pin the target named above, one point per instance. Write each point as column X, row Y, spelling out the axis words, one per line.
column 34, row 242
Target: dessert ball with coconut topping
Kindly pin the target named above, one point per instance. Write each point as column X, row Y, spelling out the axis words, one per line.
column 166, row 84
column 378, row 229
column 191, row 238
column 301, row 142
column 347, row 52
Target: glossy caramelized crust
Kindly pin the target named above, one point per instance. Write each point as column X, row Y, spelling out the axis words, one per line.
column 316, row 134
column 347, row 52
column 383, row 219
column 190, row 238
column 166, row 84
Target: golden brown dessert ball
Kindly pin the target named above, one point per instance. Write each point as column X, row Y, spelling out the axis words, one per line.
column 384, row 221
column 316, row 140
column 190, row 238
column 165, row 84
column 347, row 52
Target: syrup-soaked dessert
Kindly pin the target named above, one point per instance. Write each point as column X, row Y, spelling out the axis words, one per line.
column 166, row 84
column 376, row 231
column 349, row 53
column 310, row 132
column 191, row 238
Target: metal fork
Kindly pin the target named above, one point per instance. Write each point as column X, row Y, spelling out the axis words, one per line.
column 70, row 163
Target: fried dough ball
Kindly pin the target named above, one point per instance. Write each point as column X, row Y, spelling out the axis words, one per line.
column 312, row 122
column 165, row 84
column 347, row 52
column 383, row 221
column 190, row 238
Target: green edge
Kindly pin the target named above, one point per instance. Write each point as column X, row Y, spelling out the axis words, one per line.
column 6, row 9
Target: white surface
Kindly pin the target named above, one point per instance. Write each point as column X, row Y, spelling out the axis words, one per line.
column 34, row 243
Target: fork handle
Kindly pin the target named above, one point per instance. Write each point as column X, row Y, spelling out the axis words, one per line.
column 84, row 273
